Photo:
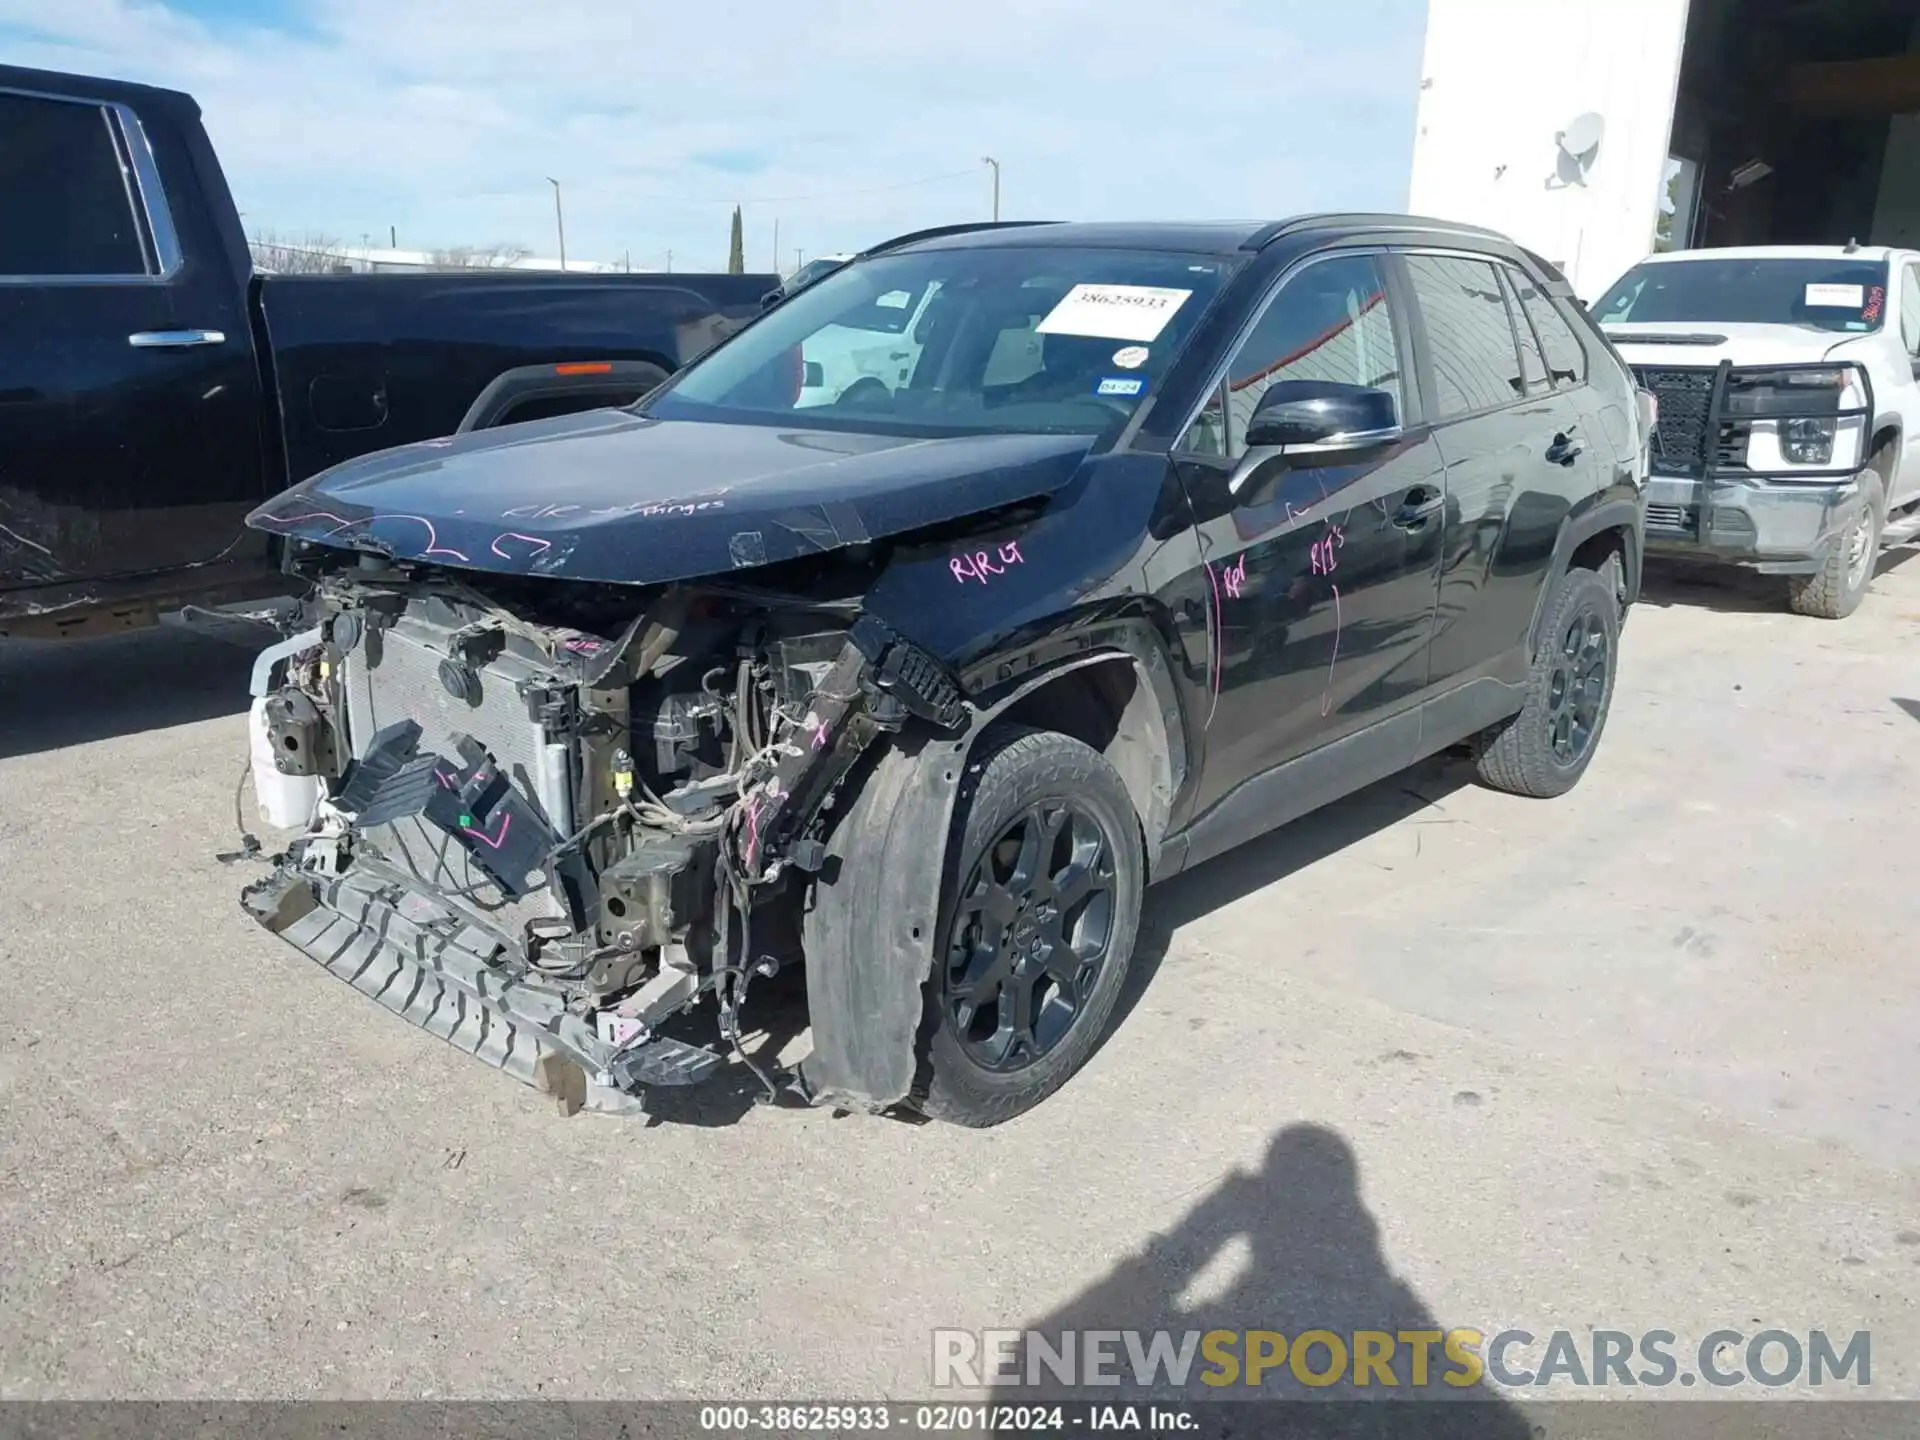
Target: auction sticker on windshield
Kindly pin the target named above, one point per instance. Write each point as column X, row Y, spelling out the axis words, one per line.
column 1839, row 297
column 1114, row 312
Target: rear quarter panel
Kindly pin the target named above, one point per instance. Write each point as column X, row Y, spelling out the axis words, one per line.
column 364, row 362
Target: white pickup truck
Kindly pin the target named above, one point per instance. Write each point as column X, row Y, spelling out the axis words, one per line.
column 1788, row 438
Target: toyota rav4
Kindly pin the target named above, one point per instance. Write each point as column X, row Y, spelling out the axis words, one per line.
column 1146, row 540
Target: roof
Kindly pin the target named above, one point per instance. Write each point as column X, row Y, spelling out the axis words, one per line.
column 1217, row 237
column 1868, row 253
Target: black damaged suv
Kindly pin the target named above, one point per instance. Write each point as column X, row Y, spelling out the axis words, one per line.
column 915, row 630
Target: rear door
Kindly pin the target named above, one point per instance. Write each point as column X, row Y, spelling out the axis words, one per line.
column 129, row 402
column 1516, row 459
column 1321, row 585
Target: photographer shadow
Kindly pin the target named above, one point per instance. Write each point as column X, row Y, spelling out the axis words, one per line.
column 1305, row 1255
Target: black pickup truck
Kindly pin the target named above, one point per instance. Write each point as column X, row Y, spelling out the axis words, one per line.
column 153, row 390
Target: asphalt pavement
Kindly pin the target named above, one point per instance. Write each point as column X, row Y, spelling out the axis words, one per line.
column 1645, row 1057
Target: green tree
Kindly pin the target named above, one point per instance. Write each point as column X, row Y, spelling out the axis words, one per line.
column 737, row 249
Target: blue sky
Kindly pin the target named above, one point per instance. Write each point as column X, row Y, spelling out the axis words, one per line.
column 843, row 120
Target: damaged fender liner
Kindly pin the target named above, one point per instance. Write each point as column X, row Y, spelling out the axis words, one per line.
column 865, row 1000
column 397, row 944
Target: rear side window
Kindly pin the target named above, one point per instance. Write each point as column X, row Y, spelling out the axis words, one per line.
column 1566, row 359
column 1532, row 368
column 65, row 206
column 1476, row 364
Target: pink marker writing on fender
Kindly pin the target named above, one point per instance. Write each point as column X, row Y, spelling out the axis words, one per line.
column 981, row 565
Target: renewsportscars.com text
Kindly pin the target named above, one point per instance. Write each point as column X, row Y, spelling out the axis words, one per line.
column 1400, row 1359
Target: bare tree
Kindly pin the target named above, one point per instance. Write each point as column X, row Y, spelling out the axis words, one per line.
column 312, row 255
column 497, row 256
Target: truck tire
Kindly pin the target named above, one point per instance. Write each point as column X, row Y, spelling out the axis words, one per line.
column 1545, row 749
column 1835, row 590
column 1048, row 873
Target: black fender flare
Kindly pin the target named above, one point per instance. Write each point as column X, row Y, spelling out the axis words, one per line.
column 871, row 930
column 621, row 381
column 1618, row 513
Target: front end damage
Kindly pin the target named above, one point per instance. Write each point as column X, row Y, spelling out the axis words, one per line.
column 550, row 821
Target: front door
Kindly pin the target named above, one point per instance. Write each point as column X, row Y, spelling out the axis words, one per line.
column 129, row 402
column 1321, row 587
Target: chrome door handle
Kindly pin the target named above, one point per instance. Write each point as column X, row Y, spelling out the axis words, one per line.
column 174, row 339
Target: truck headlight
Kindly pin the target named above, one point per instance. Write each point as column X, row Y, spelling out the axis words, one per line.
column 1807, row 442
column 1801, row 417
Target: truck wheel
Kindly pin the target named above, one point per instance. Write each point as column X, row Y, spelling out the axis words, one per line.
column 1048, row 875
column 1835, row 590
column 1545, row 749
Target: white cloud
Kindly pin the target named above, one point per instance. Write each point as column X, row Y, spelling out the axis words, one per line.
column 442, row 120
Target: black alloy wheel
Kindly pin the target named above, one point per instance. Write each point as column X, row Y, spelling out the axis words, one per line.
column 1578, row 685
column 1032, row 929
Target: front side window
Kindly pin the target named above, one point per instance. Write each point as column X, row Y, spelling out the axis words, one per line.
column 65, row 208
column 1476, row 363
column 1330, row 321
column 1818, row 294
column 1000, row 339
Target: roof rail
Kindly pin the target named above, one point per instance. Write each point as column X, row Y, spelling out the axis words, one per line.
column 939, row 231
column 1267, row 234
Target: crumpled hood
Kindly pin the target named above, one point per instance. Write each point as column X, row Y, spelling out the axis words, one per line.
column 1706, row 343
column 612, row 496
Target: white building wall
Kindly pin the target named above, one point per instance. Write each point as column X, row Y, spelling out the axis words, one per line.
column 1501, row 77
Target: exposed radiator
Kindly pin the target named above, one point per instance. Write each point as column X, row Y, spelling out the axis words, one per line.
column 405, row 684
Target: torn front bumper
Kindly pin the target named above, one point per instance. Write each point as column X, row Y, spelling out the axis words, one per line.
column 397, row 943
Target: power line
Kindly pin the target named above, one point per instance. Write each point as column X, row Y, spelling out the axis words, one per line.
column 766, row 199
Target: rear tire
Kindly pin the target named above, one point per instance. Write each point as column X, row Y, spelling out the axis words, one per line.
column 1835, row 590
column 1047, row 877
column 1545, row 749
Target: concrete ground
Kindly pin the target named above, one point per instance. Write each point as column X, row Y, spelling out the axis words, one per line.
column 1644, row 1057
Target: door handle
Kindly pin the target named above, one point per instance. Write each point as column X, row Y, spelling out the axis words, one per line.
column 1420, row 505
column 174, row 339
column 1564, row 450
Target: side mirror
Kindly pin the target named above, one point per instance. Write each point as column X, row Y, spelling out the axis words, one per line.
column 1321, row 422
column 812, row 375
column 770, row 299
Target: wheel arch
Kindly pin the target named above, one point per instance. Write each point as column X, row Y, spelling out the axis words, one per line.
column 871, row 927
column 1612, row 527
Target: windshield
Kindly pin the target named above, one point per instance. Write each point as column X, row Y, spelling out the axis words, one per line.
column 997, row 340
column 1841, row 295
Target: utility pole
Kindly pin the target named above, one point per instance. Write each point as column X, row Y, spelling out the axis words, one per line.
column 776, row 244
column 393, row 237
column 799, row 258
column 989, row 160
column 559, row 220
column 669, row 262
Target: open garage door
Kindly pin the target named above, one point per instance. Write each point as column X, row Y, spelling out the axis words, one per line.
column 1594, row 131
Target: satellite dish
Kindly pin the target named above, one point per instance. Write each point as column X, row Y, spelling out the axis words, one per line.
column 1579, row 147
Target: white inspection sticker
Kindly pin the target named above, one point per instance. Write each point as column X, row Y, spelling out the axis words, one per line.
column 1114, row 312
column 1838, row 297
column 1132, row 357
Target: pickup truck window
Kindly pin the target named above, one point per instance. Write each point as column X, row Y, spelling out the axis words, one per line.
column 1476, row 365
column 64, row 192
column 959, row 341
column 1330, row 321
column 1820, row 294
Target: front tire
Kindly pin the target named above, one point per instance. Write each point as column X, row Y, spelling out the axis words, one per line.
column 1545, row 749
column 1835, row 590
column 1048, row 874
